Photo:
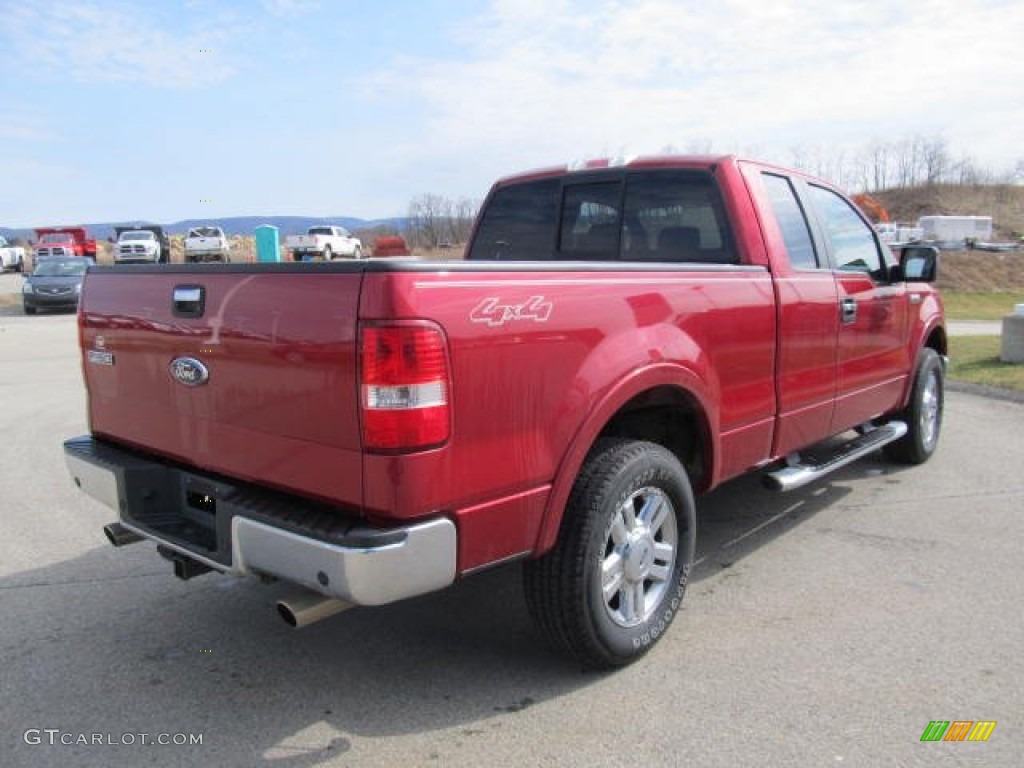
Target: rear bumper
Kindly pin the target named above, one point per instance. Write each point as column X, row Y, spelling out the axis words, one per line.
column 245, row 530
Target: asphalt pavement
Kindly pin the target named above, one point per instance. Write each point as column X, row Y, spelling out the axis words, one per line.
column 828, row 626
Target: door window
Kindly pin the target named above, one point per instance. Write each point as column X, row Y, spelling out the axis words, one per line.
column 854, row 247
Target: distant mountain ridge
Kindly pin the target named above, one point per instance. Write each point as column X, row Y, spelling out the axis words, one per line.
column 232, row 225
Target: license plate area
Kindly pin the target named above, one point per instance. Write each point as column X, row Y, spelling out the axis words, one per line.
column 181, row 508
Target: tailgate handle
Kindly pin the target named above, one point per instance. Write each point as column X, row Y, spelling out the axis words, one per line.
column 189, row 300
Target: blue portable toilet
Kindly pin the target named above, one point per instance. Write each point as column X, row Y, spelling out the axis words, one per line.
column 268, row 246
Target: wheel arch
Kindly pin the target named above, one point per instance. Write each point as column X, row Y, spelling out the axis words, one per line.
column 666, row 405
column 932, row 337
column 936, row 339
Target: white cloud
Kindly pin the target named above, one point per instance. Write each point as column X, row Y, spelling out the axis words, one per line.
column 23, row 125
column 550, row 80
column 110, row 42
column 289, row 7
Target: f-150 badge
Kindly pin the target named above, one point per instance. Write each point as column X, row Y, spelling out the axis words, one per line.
column 189, row 371
column 492, row 312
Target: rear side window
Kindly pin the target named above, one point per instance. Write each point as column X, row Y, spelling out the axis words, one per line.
column 790, row 216
column 519, row 222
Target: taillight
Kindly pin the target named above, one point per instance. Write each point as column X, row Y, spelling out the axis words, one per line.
column 405, row 383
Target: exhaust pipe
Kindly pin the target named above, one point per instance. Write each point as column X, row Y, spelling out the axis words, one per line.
column 120, row 536
column 307, row 607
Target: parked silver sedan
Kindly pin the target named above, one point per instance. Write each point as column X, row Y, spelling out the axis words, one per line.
column 54, row 284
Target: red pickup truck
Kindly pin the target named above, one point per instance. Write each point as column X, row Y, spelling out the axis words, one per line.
column 618, row 338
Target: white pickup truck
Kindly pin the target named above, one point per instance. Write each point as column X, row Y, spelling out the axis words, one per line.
column 324, row 242
column 11, row 256
column 141, row 245
column 207, row 244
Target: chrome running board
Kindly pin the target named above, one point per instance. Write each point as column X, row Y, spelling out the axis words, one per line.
column 803, row 470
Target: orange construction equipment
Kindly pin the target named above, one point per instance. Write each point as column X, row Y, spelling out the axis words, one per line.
column 872, row 207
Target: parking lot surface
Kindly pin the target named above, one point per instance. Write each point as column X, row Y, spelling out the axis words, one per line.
column 829, row 626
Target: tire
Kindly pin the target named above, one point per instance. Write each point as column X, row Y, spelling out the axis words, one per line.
column 616, row 577
column 29, row 310
column 327, row 253
column 923, row 414
column 357, row 253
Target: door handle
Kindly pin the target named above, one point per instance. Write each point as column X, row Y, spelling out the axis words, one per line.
column 848, row 310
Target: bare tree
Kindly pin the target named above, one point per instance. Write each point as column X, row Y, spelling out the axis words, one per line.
column 427, row 220
column 878, row 154
column 934, row 159
column 462, row 221
column 435, row 220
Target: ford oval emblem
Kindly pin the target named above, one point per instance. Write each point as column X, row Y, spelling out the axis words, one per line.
column 189, row 371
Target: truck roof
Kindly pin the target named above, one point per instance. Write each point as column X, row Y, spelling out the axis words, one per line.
column 76, row 232
column 646, row 162
column 156, row 229
column 632, row 161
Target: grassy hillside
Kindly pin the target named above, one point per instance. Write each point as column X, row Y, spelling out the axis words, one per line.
column 981, row 272
column 1003, row 202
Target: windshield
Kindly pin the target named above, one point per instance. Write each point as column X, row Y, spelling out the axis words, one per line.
column 61, row 268
column 320, row 231
column 205, row 232
column 60, row 237
column 137, row 236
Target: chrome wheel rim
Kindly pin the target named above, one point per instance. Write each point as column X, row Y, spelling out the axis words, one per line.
column 929, row 415
column 639, row 557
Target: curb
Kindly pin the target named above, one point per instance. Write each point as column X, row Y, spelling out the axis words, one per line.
column 983, row 390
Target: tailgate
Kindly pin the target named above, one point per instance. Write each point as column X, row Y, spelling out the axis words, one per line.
column 251, row 375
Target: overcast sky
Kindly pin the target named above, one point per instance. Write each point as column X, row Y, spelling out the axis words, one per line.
column 114, row 110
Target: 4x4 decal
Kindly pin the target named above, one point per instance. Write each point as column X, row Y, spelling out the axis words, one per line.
column 492, row 312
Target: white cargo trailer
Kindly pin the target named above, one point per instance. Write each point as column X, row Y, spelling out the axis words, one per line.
column 955, row 230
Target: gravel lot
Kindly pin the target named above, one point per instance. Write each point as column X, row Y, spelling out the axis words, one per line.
column 824, row 627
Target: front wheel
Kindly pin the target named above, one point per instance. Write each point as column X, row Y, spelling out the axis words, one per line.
column 357, row 253
column 923, row 413
column 327, row 253
column 616, row 577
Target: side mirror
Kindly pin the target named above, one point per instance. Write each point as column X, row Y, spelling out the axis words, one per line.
column 919, row 264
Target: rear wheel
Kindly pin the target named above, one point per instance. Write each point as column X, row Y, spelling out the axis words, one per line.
column 923, row 413
column 327, row 253
column 617, row 575
column 357, row 253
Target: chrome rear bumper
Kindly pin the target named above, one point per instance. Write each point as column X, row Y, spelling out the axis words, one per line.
column 240, row 529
